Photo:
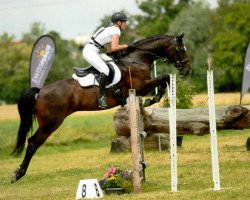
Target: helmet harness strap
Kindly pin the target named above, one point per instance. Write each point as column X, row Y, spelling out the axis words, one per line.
column 119, row 26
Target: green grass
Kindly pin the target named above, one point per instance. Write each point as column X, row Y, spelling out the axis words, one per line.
column 80, row 149
column 79, row 130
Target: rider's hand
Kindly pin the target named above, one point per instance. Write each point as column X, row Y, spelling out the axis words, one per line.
column 131, row 47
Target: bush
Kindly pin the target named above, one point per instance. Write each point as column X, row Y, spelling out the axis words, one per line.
column 184, row 95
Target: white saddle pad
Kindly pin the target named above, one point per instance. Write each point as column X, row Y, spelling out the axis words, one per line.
column 90, row 80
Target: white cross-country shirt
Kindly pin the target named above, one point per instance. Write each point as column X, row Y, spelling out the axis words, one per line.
column 105, row 36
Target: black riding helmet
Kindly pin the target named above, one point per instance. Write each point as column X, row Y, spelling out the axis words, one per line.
column 118, row 16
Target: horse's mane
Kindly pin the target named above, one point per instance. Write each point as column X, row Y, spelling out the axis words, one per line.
column 143, row 42
column 150, row 39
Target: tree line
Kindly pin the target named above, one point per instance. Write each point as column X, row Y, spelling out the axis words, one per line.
column 223, row 32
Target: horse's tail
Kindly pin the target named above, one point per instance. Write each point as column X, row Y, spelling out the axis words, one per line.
column 26, row 106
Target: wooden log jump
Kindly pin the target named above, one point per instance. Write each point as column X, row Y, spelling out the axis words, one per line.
column 189, row 121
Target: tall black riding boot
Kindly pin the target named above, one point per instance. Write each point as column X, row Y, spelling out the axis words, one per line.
column 102, row 97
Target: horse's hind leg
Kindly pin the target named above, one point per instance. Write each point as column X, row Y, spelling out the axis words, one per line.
column 20, row 172
column 34, row 143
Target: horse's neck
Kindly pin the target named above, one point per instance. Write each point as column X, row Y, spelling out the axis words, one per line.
column 157, row 45
column 139, row 57
column 146, row 53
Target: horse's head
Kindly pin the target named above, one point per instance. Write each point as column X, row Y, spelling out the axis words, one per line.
column 170, row 48
column 176, row 54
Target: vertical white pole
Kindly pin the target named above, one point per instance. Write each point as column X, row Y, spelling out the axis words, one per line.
column 155, row 75
column 212, row 124
column 213, row 132
column 156, row 92
column 172, row 129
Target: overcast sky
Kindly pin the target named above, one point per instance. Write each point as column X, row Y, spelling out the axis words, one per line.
column 70, row 18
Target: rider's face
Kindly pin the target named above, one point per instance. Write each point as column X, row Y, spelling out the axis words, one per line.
column 123, row 25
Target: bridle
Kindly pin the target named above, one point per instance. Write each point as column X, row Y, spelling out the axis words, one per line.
column 178, row 63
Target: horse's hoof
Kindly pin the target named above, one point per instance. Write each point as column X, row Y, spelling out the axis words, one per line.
column 16, row 175
column 148, row 102
column 13, row 179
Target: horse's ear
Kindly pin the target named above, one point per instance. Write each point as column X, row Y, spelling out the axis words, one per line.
column 182, row 35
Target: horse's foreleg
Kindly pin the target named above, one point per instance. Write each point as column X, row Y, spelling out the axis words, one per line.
column 160, row 82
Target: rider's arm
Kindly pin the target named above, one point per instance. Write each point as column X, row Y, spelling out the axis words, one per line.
column 115, row 46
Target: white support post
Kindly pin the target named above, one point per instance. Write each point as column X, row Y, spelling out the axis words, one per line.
column 155, row 75
column 172, row 130
column 213, row 132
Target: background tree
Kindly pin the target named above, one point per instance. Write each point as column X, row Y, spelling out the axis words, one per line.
column 14, row 68
column 231, row 32
column 157, row 16
column 194, row 21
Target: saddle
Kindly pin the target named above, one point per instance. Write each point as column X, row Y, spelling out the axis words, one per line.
column 84, row 71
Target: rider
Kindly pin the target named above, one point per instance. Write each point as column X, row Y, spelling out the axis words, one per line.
column 108, row 37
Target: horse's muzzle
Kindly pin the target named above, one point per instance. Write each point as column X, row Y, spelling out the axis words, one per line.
column 186, row 71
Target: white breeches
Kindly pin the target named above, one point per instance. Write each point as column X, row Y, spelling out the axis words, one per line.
column 92, row 56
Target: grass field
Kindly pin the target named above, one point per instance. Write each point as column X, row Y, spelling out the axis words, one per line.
column 80, row 150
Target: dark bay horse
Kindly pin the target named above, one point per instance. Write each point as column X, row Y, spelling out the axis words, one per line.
column 51, row 104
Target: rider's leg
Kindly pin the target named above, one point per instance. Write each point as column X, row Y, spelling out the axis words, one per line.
column 117, row 73
column 117, row 93
column 102, row 96
column 93, row 58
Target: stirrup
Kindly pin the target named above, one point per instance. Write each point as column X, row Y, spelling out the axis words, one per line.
column 102, row 102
